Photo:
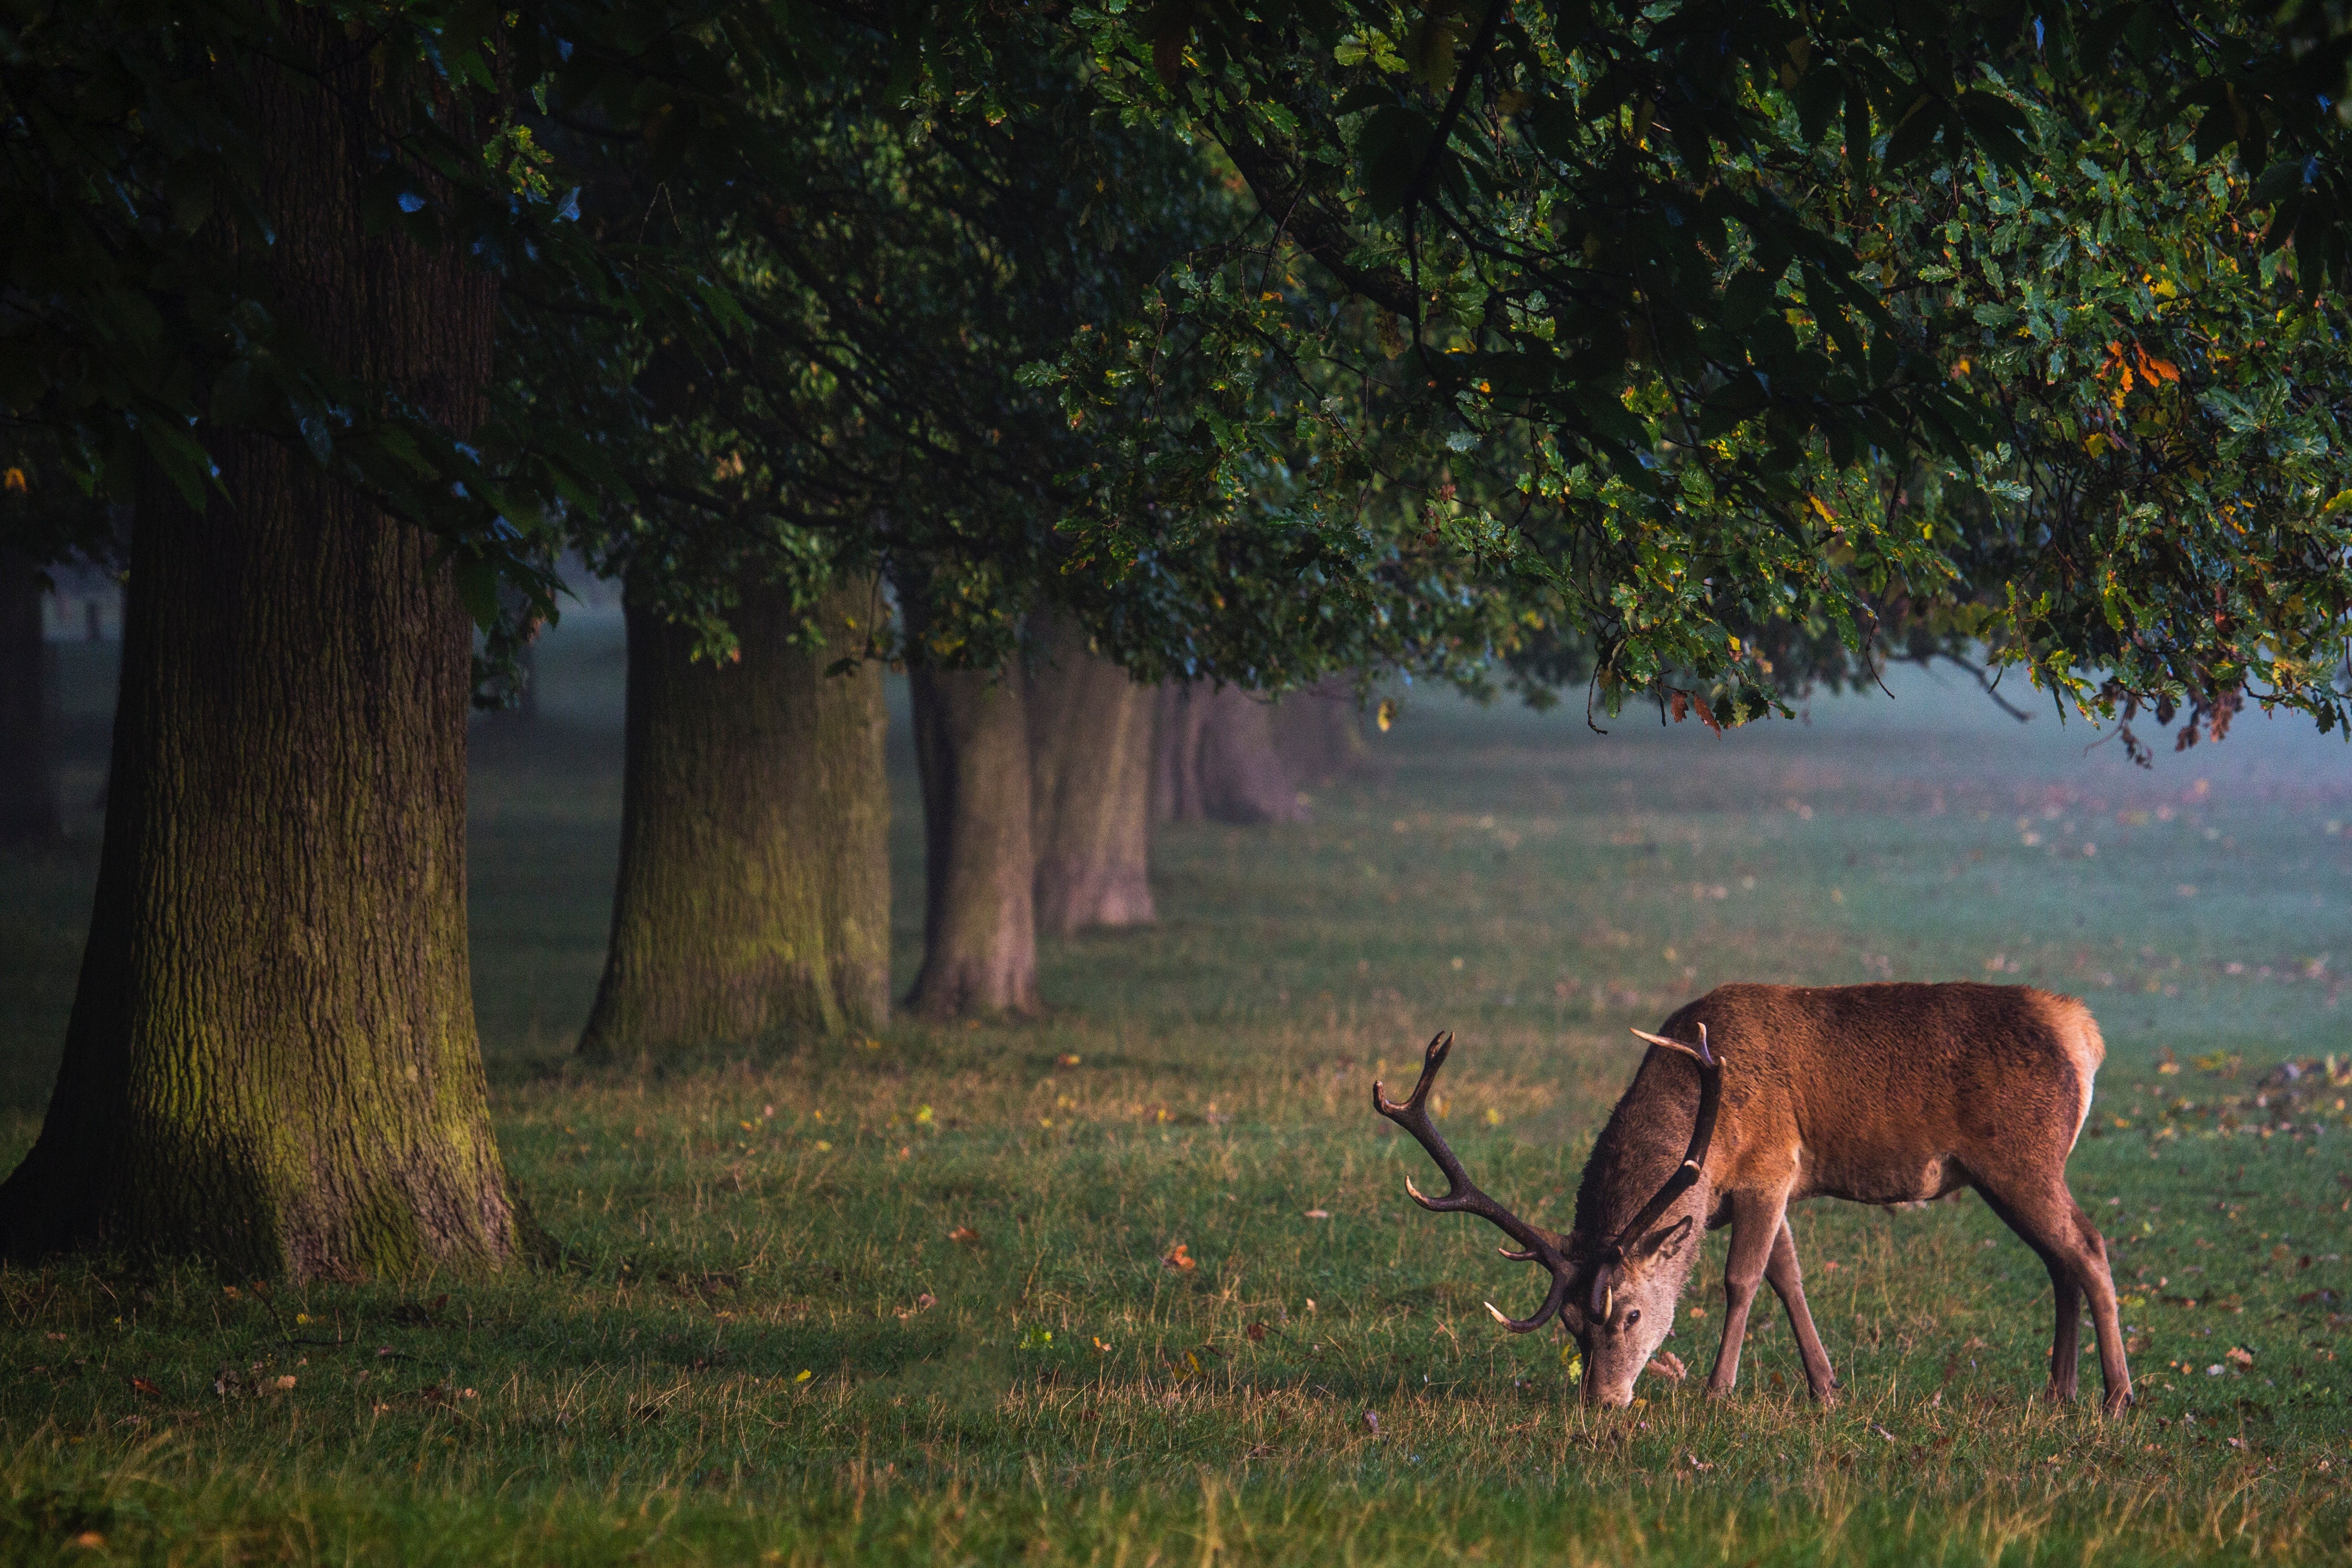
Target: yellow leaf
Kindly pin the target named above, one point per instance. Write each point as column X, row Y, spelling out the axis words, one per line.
column 804, row 1376
column 1819, row 506
column 2342, row 499
column 1386, row 715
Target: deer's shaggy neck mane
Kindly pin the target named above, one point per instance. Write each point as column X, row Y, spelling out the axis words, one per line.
column 1641, row 1147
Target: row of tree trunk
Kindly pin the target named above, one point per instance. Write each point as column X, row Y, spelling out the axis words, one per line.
column 753, row 896
column 271, row 1061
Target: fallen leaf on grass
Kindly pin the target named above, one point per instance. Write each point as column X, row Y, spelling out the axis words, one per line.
column 1180, row 1259
column 145, row 1389
column 1318, row 1213
column 1696, row 1463
column 923, row 1303
column 1256, row 1333
column 2240, row 1354
column 1070, row 1059
column 963, row 1233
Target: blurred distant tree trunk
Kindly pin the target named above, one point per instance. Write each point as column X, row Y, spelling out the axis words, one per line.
column 979, row 928
column 1318, row 733
column 271, row 1062
column 1090, row 780
column 28, row 784
column 753, row 899
column 1217, row 759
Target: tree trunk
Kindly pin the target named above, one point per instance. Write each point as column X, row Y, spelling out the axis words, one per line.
column 28, row 783
column 979, row 929
column 271, row 1061
column 754, row 892
column 1216, row 759
column 1320, row 734
column 1090, row 782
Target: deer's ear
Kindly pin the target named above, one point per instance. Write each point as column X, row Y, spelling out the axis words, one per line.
column 1664, row 1242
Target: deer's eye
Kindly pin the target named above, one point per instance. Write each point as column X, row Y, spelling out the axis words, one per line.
column 1632, row 1317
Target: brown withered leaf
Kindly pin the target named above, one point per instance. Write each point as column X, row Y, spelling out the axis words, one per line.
column 964, row 1234
column 1256, row 1333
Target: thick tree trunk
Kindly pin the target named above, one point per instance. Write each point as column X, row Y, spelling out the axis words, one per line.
column 979, row 929
column 28, row 783
column 1319, row 733
column 754, row 892
column 271, row 1061
column 1090, row 787
column 1217, row 759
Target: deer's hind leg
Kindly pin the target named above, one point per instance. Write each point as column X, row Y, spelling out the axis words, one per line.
column 2046, row 1215
column 1788, row 1282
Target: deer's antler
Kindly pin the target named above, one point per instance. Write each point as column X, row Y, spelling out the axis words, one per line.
column 1463, row 1196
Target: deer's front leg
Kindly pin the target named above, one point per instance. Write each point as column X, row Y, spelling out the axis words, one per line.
column 1789, row 1283
column 1755, row 1223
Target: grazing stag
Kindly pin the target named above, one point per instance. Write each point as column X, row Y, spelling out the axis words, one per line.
column 1878, row 1094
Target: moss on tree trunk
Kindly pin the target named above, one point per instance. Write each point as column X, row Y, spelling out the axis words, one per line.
column 979, row 930
column 1090, row 731
column 271, row 1061
column 28, row 783
column 754, row 891
column 1216, row 759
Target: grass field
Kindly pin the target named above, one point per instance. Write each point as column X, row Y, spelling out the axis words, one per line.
column 1139, row 1284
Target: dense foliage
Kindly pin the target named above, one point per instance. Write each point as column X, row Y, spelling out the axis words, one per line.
column 1706, row 347
column 1729, row 336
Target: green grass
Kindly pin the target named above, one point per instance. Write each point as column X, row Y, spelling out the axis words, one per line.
column 806, row 1312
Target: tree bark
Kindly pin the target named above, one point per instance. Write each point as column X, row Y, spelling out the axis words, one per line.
column 1217, row 759
column 28, row 782
column 271, row 1061
column 1090, row 729
column 979, row 929
column 754, row 892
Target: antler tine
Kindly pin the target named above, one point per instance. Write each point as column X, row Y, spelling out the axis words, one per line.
column 1554, row 1299
column 1461, row 1195
column 1698, row 1052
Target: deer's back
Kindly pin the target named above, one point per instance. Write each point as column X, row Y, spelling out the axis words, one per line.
column 1892, row 1093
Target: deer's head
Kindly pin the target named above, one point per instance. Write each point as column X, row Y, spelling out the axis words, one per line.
column 1628, row 1308
column 1615, row 1294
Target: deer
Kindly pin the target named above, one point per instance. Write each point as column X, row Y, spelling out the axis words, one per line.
column 1883, row 1094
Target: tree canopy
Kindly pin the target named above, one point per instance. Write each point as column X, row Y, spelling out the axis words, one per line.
column 1691, row 345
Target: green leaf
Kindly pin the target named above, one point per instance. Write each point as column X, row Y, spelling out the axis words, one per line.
column 477, row 590
column 1997, row 127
